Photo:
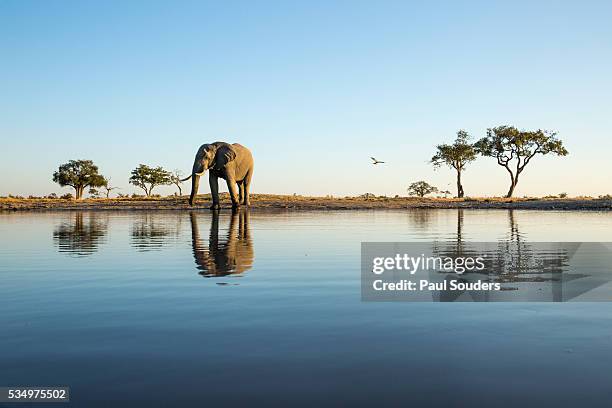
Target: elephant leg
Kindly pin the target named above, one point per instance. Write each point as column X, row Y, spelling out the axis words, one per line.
column 231, row 186
column 214, row 191
column 247, row 184
column 240, row 191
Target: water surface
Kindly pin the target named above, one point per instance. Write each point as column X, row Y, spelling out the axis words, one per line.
column 169, row 308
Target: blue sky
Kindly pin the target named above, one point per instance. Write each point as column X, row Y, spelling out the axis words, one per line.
column 313, row 88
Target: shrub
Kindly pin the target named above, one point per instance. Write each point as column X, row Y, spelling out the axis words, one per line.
column 605, row 197
column 67, row 196
column 562, row 195
column 52, row 196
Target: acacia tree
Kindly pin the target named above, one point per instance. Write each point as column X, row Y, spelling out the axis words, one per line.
column 176, row 177
column 515, row 148
column 148, row 178
column 455, row 156
column 78, row 174
column 421, row 189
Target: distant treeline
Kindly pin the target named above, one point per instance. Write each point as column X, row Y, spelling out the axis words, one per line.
column 513, row 150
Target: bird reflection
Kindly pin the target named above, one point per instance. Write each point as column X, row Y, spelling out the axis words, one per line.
column 81, row 235
column 228, row 255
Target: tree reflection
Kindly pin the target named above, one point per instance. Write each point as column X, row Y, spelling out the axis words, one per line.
column 512, row 261
column 81, row 235
column 455, row 248
column 421, row 218
column 151, row 231
column 232, row 254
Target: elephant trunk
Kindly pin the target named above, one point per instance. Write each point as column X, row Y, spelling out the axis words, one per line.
column 195, row 184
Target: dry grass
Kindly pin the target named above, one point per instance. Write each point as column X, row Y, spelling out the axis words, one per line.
column 308, row 203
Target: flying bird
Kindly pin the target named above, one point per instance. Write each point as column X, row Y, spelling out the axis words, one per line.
column 375, row 162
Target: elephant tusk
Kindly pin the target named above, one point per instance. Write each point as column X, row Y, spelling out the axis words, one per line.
column 194, row 174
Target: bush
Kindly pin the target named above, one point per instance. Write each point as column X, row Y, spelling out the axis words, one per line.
column 605, row 197
column 52, row 196
column 67, row 196
column 562, row 195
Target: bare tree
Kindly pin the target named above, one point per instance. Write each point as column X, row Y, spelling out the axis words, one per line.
column 176, row 179
column 107, row 187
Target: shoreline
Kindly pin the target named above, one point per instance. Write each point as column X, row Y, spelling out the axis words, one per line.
column 290, row 202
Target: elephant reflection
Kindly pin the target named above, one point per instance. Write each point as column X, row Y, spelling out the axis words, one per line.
column 80, row 236
column 229, row 255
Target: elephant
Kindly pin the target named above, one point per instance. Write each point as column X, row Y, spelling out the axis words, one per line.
column 226, row 256
column 231, row 162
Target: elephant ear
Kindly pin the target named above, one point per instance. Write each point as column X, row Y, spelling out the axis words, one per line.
column 225, row 154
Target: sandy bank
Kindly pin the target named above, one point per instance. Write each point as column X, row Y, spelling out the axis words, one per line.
column 266, row 201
